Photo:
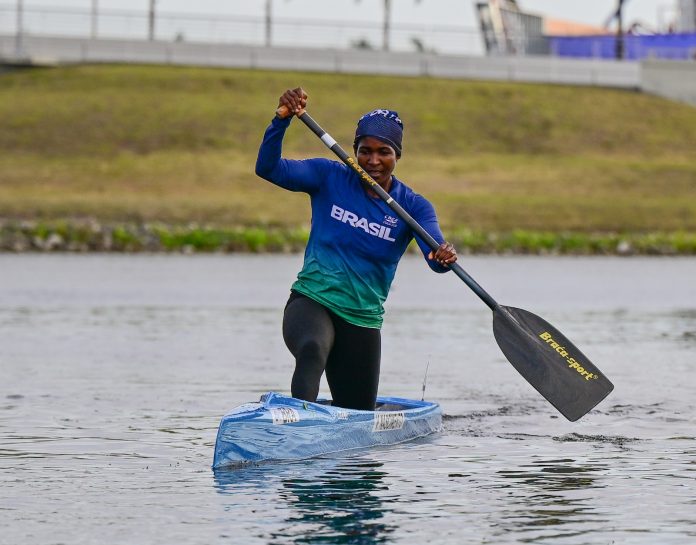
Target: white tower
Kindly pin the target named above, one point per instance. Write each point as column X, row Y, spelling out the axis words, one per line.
column 686, row 21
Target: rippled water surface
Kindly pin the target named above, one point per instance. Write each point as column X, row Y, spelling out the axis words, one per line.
column 115, row 371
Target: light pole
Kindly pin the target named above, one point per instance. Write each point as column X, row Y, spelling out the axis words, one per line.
column 151, row 20
column 95, row 11
column 619, row 31
column 19, row 36
column 268, row 17
column 385, row 26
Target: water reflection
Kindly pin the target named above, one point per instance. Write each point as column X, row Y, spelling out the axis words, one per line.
column 330, row 501
column 549, row 495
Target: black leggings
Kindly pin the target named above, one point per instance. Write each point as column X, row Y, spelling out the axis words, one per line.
column 321, row 341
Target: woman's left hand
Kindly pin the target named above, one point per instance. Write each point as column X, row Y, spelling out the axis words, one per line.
column 445, row 255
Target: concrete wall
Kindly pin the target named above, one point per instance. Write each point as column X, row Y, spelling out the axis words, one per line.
column 350, row 61
column 675, row 80
column 670, row 79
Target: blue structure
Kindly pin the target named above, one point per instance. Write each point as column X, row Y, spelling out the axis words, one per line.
column 681, row 46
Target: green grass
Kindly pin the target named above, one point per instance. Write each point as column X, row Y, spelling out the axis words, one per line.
column 89, row 235
column 168, row 145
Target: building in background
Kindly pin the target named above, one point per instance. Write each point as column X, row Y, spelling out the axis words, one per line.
column 559, row 27
column 686, row 21
column 507, row 30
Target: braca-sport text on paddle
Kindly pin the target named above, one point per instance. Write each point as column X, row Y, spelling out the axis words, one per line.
column 540, row 353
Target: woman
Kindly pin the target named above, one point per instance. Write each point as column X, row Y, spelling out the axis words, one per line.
column 334, row 314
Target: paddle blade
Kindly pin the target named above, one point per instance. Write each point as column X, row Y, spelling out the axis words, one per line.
column 549, row 362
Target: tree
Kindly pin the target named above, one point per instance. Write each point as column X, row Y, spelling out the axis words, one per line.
column 618, row 15
column 386, row 23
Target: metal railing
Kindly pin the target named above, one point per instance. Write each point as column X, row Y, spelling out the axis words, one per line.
column 242, row 30
column 46, row 21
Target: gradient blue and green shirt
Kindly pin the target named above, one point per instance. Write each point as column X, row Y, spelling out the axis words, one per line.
column 356, row 240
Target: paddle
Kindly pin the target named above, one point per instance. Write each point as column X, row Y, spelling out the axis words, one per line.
column 542, row 354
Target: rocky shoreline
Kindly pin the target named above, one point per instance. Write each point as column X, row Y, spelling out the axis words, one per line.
column 81, row 236
column 93, row 236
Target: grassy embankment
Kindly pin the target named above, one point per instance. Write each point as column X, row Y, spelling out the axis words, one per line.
column 143, row 157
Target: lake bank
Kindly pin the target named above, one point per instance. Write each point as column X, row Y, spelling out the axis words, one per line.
column 81, row 236
column 176, row 146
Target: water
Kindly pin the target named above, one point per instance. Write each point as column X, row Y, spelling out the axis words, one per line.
column 115, row 370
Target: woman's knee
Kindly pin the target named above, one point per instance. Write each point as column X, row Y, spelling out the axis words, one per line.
column 313, row 352
column 307, row 329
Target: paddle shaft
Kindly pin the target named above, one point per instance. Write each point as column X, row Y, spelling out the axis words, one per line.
column 330, row 143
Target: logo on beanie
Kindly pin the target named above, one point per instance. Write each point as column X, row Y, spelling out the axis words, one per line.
column 387, row 114
column 383, row 124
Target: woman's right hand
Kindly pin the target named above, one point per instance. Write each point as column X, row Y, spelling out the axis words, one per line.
column 294, row 100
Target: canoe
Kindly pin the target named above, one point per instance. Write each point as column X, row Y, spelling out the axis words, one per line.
column 280, row 428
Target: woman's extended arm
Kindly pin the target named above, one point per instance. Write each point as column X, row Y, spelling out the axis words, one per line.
column 292, row 175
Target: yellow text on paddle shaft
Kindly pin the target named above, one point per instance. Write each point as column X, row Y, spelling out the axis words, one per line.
column 572, row 362
column 364, row 175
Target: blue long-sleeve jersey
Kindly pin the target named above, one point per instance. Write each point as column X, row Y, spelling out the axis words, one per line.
column 356, row 240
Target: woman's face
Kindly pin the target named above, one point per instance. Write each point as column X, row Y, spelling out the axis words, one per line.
column 377, row 159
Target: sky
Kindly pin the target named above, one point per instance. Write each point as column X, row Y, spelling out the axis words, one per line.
column 446, row 26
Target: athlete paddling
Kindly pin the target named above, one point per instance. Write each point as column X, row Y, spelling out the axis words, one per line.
column 334, row 314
